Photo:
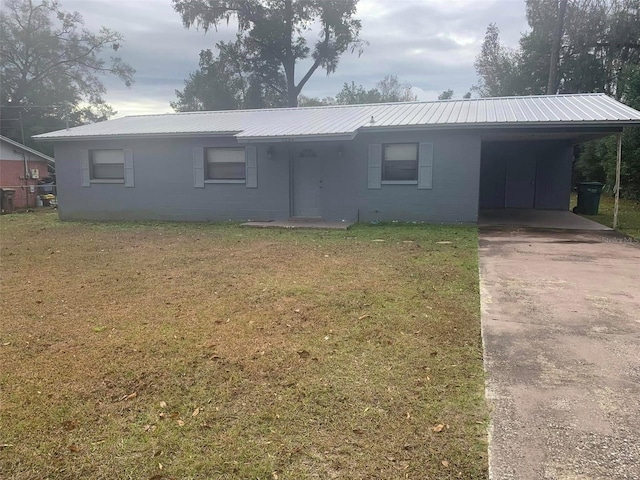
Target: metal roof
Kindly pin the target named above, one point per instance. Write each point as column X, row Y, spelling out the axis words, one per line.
column 344, row 121
column 24, row 148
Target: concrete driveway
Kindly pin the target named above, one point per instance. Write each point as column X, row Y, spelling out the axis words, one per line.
column 561, row 331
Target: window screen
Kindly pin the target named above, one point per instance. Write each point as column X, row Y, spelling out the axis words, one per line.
column 107, row 164
column 226, row 164
column 400, row 162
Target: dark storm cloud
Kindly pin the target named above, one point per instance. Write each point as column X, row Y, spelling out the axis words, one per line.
column 431, row 44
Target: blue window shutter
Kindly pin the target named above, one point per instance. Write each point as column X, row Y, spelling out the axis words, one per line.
column 252, row 167
column 198, row 167
column 85, row 168
column 375, row 166
column 425, row 166
column 128, row 168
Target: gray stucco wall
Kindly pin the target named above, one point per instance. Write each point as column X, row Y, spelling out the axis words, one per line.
column 552, row 161
column 453, row 197
column 164, row 182
column 164, row 185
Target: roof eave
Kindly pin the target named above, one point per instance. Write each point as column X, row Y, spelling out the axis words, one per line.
column 298, row 138
column 508, row 125
column 119, row 136
column 24, row 148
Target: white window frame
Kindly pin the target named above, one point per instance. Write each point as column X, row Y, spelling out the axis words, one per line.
column 384, row 160
column 92, row 163
column 207, row 161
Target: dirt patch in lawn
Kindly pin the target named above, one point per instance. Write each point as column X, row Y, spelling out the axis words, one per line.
column 214, row 351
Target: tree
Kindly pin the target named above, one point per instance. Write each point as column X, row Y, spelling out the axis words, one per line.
column 230, row 81
column 598, row 51
column 356, row 95
column 48, row 59
column 597, row 159
column 391, row 90
column 315, row 102
column 552, row 85
column 446, row 95
column 387, row 90
column 496, row 66
column 594, row 40
column 274, row 31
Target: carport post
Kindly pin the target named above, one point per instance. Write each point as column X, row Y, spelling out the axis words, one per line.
column 617, row 187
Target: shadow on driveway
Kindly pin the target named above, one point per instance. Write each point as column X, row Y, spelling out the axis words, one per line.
column 561, row 332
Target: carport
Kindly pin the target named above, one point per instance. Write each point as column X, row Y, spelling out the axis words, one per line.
column 530, row 170
column 527, row 155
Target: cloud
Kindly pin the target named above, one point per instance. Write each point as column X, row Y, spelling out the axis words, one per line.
column 430, row 44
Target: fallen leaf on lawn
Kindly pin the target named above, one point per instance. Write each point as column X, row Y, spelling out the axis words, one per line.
column 195, row 412
column 445, row 463
column 99, row 329
column 130, row 396
column 438, row 428
column 74, row 448
column 303, row 353
column 69, row 425
column 6, row 445
column 163, row 404
column 180, row 423
column 297, row 310
column 362, row 317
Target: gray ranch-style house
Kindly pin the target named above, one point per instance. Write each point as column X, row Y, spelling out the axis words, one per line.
column 440, row 161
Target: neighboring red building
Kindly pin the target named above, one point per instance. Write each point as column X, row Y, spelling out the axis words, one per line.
column 21, row 169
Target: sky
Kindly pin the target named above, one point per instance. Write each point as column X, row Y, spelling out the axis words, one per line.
column 430, row 44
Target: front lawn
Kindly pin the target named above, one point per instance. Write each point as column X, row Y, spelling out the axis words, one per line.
column 180, row 351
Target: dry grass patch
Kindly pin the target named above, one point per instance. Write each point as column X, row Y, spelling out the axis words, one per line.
column 214, row 351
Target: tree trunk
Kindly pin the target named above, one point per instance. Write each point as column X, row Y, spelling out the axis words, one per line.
column 552, row 85
column 290, row 62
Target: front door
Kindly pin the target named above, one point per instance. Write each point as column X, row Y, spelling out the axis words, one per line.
column 307, row 182
column 521, row 183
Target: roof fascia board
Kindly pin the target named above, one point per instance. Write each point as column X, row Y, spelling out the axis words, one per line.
column 39, row 138
column 297, row 138
column 511, row 126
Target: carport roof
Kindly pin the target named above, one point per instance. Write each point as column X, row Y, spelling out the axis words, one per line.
column 340, row 122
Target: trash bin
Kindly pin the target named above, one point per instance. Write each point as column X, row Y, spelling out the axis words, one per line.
column 588, row 198
column 6, row 201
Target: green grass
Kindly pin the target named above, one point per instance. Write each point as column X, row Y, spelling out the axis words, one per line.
column 160, row 350
column 628, row 214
